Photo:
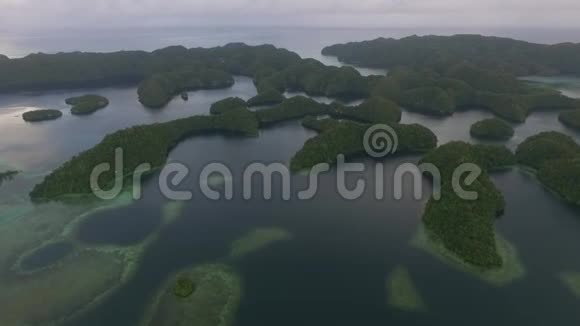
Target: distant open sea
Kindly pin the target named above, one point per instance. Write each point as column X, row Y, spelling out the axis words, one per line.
column 306, row 41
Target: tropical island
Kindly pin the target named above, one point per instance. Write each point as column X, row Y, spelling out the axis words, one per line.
column 570, row 119
column 266, row 97
column 141, row 144
column 555, row 158
column 347, row 138
column 87, row 104
column 204, row 295
column 157, row 90
column 372, row 110
column 41, row 115
column 442, row 74
column 492, row 129
column 466, row 227
column 227, row 104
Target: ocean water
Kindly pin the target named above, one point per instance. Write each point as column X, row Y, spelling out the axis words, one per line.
column 333, row 271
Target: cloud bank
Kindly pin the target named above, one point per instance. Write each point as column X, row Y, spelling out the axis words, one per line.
column 335, row 13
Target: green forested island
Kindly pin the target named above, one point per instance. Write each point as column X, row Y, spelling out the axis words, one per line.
column 571, row 119
column 492, row 129
column 266, row 97
column 157, row 90
column 227, row 104
column 437, row 52
column 556, row 159
column 466, row 227
column 141, row 144
column 87, row 104
column 423, row 77
column 347, row 138
column 438, row 74
column 373, row 110
column 296, row 107
column 41, row 115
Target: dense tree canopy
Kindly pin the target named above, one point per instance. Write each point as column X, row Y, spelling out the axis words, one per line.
column 438, row 52
column 556, row 158
column 347, row 138
column 492, row 129
column 296, row 107
column 466, row 227
column 227, row 104
column 437, row 75
column 268, row 96
column 374, row 109
column 41, row 115
column 159, row 89
column 87, row 104
column 140, row 144
column 571, row 119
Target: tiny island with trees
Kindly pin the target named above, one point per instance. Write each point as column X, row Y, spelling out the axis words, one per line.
column 86, row 104
column 41, row 115
column 492, row 129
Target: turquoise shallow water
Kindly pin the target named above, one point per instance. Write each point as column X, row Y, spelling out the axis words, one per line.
column 334, row 269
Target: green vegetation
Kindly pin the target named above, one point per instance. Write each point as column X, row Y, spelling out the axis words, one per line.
column 79, row 70
column 314, row 78
column 428, row 100
column 546, row 147
column 87, row 104
column 572, row 281
column 184, row 287
column 428, row 77
column 319, row 125
column 41, row 115
column 373, row 110
column 266, row 97
column 257, row 240
column 347, row 138
column 7, row 176
column 293, row 108
column 214, row 302
column 402, row 293
column 141, row 144
column 556, row 158
column 466, row 227
column 571, row 119
column 511, row 270
column 437, row 52
column 227, row 104
column 492, row 129
column 157, row 90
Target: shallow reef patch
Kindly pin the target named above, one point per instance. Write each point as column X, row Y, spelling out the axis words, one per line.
column 257, row 240
column 214, row 301
column 402, row 293
column 511, row 270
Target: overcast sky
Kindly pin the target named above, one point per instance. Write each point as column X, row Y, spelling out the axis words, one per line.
column 35, row 14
